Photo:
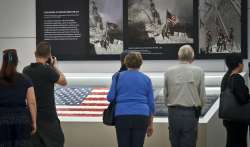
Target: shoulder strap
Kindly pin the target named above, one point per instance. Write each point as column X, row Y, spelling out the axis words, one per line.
column 116, row 84
column 230, row 82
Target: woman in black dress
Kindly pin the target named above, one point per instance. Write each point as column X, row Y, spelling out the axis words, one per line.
column 17, row 104
column 236, row 130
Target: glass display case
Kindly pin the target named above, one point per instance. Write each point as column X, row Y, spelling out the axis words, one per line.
column 81, row 103
column 85, row 97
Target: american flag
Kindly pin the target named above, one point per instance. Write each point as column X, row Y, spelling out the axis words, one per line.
column 81, row 102
column 171, row 18
column 91, row 102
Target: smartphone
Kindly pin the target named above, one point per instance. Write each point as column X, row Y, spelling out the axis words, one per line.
column 50, row 61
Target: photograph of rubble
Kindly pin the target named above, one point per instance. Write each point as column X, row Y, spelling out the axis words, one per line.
column 220, row 27
column 160, row 21
column 106, row 26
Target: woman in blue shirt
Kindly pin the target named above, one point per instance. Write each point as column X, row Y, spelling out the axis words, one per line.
column 135, row 103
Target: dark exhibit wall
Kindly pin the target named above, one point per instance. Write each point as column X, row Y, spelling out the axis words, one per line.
column 64, row 25
column 102, row 29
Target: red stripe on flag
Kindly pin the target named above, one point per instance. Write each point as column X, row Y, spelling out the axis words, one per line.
column 79, row 109
column 81, row 115
column 99, row 93
column 93, row 104
column 101, row 89
column 95, row 99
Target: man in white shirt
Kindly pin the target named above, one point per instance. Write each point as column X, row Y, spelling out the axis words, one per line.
column 184, row 93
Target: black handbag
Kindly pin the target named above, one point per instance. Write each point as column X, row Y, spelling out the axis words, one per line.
column 230, row 109
column 109, row 113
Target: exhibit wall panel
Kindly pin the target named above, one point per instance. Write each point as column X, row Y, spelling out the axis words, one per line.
column 17, row 18
column 17, row 30
column 25, row 49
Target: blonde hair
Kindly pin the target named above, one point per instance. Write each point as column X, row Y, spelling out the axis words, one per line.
column 133, row 60
column 186, row 53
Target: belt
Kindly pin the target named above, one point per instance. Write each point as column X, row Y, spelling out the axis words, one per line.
column 183, row 107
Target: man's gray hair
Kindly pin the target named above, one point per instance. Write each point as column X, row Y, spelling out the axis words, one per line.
column 186, row 53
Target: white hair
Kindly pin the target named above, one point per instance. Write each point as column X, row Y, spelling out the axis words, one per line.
column 186, row 53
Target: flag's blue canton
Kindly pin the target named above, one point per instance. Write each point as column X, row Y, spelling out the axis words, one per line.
column 71, row 96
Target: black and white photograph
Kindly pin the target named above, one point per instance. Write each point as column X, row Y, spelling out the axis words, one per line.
column 106, row 26
column 220, row 26
column 160, row 21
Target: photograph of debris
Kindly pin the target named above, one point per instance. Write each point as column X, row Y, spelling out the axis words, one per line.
column 160, row 21
column 106, row 26
column 219, row 26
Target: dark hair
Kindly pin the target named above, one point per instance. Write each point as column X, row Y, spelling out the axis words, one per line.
column 133, row 60
column 232, row 61
column 43, row 50
column 8, row 70
column 122, row 59
column 123, row 55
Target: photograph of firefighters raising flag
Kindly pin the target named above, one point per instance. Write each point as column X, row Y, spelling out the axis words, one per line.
column 106, row 26
column 220, row 26
column 160, row 21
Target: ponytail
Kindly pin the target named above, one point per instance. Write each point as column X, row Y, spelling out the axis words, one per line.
column 8, row 70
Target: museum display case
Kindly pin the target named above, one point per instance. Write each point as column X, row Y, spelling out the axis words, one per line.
column 81, row 103
column 84, row 99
